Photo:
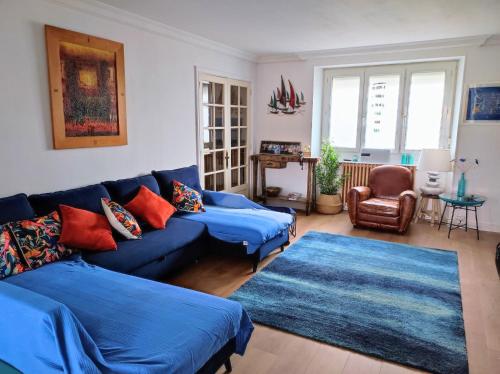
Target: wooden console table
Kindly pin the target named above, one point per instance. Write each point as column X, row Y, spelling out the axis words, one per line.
column 264, row 161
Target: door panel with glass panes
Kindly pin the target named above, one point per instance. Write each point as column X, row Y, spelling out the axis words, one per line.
column 224, row 119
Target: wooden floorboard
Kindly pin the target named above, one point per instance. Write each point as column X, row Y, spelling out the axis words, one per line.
column 274, row 351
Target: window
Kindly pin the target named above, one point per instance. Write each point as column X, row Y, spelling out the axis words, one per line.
column 396, row 107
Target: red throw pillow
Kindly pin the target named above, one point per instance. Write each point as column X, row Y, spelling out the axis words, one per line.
column 151, row 208
column 85, row 230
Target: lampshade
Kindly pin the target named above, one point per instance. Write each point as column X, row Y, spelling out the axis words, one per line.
column 435, row 160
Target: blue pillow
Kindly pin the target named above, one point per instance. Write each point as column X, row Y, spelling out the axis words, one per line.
column 88, row 198
column 124, row 190
column 188, row 176
column 15, row 208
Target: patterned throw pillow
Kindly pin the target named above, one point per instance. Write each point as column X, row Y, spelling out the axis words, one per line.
column 10, row 262
column 186, row 199
column 37, row 240
column 121, row 219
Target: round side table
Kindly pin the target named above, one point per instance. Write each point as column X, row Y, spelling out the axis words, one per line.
column 433, row 213
column 467, row 203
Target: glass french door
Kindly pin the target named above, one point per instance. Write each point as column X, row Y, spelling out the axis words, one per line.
column 224, row 133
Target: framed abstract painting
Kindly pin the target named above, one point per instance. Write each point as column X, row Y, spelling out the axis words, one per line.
column 483, row 103
column 87, row 90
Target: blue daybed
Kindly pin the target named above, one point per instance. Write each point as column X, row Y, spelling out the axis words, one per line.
column 234, row 223
column 72, row 317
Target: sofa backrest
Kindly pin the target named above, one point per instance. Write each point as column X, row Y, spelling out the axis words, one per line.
column 124, row 190
column 188, row 176
column 15, row 208
column 88, row 198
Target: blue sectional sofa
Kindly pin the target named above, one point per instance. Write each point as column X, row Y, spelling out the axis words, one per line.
column 97, row 320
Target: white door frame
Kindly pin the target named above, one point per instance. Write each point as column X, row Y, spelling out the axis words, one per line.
column 204, row 75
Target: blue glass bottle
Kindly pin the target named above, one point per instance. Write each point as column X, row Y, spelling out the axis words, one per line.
column 462, row 185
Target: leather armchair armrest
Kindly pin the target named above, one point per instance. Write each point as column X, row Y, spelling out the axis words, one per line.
column 363, row 192
column 407, row 202
column 354, row 197
column 407, row 193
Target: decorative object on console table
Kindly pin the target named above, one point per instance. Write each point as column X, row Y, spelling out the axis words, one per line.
column 329, row 181
column 279, row 148
column 261, row 162
column 286, row 102
column 467, row 203
column 464, row 166
column 483, row 103
column 87, row 90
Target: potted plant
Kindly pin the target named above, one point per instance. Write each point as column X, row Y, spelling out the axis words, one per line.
column 329, row 181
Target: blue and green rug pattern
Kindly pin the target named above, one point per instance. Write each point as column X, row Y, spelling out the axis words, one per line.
column 393, row 301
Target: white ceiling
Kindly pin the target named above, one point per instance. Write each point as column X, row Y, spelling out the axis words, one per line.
column 265, row 27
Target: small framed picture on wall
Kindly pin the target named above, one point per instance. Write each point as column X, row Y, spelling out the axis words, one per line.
column 483, row 103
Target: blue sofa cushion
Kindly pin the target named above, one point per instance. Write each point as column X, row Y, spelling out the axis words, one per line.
column 88, row 198
column 188, row 175
column 15, row 208
column 153, row 246
column 124, row 190
column 253, row 226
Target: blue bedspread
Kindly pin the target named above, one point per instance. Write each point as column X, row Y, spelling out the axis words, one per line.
column 237, row 225
column 73, row 317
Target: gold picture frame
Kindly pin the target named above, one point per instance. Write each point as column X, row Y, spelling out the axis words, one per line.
column 87, row 89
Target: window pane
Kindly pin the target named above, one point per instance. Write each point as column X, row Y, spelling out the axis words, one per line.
column 219, row 181
column 344, row 111
column 219, row 117
column 209, row 182
column 234, row 117
column 243, row 96
column 382, row 112
column 425, row 110
column 209, row 162
column 234, row 95
column 218, row 93
column 219, row 160
column 234, row 177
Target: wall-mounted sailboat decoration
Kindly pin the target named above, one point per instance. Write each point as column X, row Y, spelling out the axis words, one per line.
column 286, row 102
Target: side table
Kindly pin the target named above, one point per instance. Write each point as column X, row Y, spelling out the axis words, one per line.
column 467, row 203
column 422, row 210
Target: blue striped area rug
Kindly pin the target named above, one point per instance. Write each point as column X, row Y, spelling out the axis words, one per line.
column 393, row 301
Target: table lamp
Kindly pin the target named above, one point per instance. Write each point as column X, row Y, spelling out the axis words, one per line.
column 434, row 161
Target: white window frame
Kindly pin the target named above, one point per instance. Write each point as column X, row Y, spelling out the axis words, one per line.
column 405, row 71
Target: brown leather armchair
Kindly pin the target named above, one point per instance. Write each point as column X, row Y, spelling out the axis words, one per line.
column 387, row 203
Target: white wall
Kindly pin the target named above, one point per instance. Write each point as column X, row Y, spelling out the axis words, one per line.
column 474, row 141
column 160, row 95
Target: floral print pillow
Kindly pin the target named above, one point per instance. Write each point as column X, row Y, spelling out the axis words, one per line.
column 186, row 199
column 37, row 240
column 121, row 219
column 10, row 261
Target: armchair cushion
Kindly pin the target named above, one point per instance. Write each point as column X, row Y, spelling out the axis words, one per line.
column 380, row 207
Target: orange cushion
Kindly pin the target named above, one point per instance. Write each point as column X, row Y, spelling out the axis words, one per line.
column 85, row 230
column 151, row 208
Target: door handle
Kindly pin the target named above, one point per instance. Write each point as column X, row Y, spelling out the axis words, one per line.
column 227, row 159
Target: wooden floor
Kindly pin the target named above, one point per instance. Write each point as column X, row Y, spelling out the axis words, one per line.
column 274, row 351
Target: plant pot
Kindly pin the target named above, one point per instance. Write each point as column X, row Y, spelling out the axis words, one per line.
column 328, row 204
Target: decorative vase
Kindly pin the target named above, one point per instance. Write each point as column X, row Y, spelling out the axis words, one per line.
column 328, row 204
column 462, row 185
